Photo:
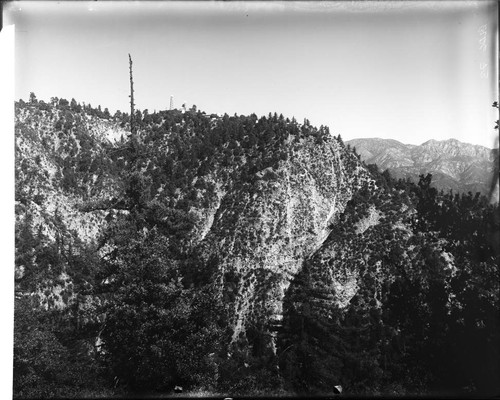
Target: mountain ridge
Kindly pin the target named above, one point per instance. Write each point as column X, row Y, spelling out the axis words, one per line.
column 455, row 165
column 290, row 181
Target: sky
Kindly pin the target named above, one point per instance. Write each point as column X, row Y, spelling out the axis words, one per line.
column 410, row 71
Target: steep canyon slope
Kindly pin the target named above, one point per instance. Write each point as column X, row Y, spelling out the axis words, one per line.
column 238, row 254
column 260, row 194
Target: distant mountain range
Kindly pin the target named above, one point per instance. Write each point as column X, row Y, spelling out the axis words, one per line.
column 457, row 166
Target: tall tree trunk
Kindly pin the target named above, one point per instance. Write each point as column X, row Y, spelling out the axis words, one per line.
column 132, row 124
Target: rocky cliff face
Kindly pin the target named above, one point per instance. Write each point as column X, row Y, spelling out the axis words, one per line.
column 57, row 168
column 263, row 232
column 456, row 166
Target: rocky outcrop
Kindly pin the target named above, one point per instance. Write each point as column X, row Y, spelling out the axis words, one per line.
column 263, row 232
column 44, row 154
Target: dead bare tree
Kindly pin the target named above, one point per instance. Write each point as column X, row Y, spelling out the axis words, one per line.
column 132, row 124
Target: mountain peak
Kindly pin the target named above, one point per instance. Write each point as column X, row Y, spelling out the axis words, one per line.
column 435, row 141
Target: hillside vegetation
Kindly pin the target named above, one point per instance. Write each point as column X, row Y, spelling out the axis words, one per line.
column 239, row 255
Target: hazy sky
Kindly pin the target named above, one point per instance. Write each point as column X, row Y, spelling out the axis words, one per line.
column 411, row 71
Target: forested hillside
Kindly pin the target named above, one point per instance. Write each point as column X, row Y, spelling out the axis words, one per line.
column 239, row 255
column 402, row 298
